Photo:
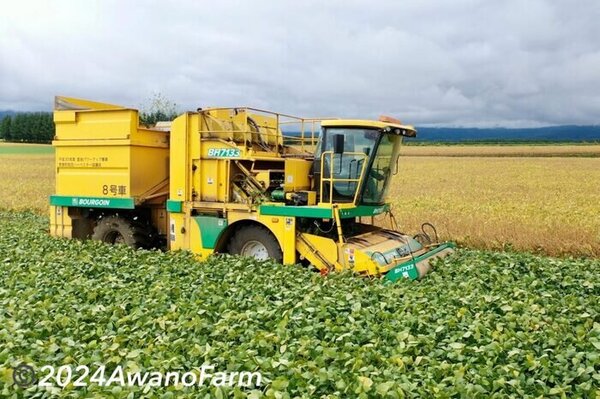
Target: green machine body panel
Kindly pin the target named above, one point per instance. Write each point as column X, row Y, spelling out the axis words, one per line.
column 211, row 228
column 174, row 206
column 321, row 212
column 92, row 202
column 409, row 269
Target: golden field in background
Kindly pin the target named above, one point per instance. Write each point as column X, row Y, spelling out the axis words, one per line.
column 546, row 205
column 543, row 204
column 563, row 150
column 26, row 180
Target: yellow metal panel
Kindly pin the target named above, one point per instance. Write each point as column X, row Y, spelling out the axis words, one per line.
column 62, row 103
column 111, row 169
column 223, row 186
column 101, row 151
column 65, row 116
column 149, row 166
column 60, row 222
column 312, row 197
column 268, row 128
column 177, row 239
column 297, row 174
column 264, row 177
column 149, row 137
column 209, row 180
column 111, row 124
column 289, row 241
column 179, row 189
column 238, row 124
column 360, row 262
column 196, row 177
column 93, row 171
column 283, row 232
column 219, row 124
column 322, row 252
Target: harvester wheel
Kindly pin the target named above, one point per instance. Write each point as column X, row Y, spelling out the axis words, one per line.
column 255, row 241
column 117, row 230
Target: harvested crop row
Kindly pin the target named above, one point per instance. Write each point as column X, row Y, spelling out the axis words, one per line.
column 481, row 324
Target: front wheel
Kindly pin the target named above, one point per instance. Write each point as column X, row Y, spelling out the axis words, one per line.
column 256, row 242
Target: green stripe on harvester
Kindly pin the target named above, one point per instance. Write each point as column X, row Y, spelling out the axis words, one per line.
column 410, row 267
column 320, row 211
column 364, row 210
column 92, row 202
column 297, row 211
column 174, row 206
column 211, row 228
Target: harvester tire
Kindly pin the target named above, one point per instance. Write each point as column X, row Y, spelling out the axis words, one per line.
column 117, row 230
column 255, row 241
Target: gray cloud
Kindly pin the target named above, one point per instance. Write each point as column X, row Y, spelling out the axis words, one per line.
column 465, row 62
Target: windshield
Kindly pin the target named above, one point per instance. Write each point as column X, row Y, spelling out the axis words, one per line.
column 377, row 181
column 358, row 146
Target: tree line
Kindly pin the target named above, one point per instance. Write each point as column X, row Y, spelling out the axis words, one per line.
column 158, row 108
column 38, row 127
column 150, row 118
column 28, row 127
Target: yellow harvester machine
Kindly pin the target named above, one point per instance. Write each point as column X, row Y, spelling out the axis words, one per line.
column 236, row 180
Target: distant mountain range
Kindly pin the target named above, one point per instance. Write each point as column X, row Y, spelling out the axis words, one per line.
column 502, row 135
column 542, row 134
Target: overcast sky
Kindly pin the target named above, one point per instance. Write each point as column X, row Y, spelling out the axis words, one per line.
column 453, row 63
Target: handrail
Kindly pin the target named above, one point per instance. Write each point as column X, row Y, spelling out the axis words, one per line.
column 272, row 130
column 264, row 111
column 332, row 180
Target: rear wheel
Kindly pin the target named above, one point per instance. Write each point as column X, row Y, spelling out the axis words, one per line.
column 256, row 242
column 118, row 230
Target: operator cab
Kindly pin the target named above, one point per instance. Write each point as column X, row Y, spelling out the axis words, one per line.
column 355, row 159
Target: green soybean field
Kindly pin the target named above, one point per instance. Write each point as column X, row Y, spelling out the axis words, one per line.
column 483, row 324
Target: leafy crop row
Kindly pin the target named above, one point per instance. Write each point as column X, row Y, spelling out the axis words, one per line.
column 483, row 324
